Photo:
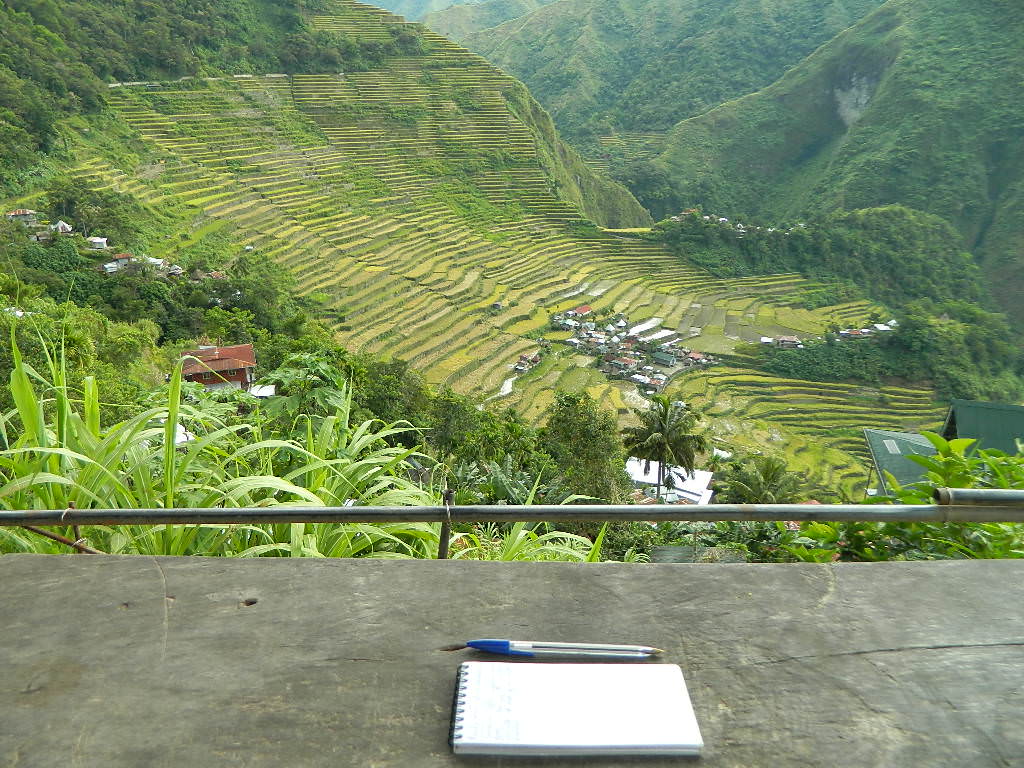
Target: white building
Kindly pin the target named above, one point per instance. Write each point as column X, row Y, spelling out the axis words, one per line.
column 678, row 486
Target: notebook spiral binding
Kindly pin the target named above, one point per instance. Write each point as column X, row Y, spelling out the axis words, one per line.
column 457, row 707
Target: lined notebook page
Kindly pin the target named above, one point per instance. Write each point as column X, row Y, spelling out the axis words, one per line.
column 506, row 708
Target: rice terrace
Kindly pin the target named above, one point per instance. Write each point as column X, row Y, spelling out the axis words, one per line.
column 416, row 202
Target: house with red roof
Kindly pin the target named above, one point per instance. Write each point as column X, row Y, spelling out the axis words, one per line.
column 232, row 367
column 22, row 216
column 581, row 311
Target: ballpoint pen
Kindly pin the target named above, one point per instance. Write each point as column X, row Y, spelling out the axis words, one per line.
column 587, row 650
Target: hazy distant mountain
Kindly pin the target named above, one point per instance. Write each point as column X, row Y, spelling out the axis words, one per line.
column 458, row 21
column 642, row 65
column 921, row 104
column 416, row 9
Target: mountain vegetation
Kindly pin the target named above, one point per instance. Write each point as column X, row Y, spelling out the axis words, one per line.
column 909, row 261
column 58, row 56
column 459, row 21
column 601, row 66
column 910, row 106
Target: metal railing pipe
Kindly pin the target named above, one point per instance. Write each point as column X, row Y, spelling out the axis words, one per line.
column 979, row 496
column 1009, row 512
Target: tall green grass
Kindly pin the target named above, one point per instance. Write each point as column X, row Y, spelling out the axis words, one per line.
column 57, row 456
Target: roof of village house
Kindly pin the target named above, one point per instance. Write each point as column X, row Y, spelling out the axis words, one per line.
column 793, row 339
column 21, row 212
column 217, row 365
column 583, row 309
column 993, row 425
column 695, row 355
column 242, row 352
column 889, row 451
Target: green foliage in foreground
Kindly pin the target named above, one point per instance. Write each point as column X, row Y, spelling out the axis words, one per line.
column 954, row 466
column 175, row 455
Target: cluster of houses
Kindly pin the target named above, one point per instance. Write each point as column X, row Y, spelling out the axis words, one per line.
column 41, row 233
column 864, row 333
column 121, row 262
column 126, row 261
column 783, row 342
column 526, row 362
column 722, row 221
column 874, row 330
column 642, row 354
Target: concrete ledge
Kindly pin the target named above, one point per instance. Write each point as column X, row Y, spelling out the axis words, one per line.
column 137, row 661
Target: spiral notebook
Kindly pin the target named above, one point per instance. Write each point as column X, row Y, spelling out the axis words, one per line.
column 573, row 709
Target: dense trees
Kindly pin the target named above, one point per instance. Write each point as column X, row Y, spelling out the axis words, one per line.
column 963, row 350
column 583, row 440
column 892, row 254
column 911, row 261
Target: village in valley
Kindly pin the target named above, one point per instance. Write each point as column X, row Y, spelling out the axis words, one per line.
column 646, row 354
column 641, row 353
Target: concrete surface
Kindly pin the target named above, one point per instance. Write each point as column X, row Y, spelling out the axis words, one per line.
column 135, row 661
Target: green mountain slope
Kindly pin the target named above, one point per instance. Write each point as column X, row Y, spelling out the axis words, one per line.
column 429, row 213
column 64, row 76
column 56, row 57
column 459, row 21
column 919, row 104
column 643, row 65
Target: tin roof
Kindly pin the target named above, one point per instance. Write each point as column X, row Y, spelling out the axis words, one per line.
column 993, row 425
column 889, row 451
column 240, row 351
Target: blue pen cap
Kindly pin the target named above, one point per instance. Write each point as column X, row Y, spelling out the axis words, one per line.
column 491, row 645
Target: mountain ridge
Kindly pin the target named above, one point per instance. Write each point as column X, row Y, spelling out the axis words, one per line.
column 883, row 114
column 456, row 22
column 579, row 58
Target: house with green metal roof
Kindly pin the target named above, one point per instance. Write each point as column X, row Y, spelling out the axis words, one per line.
column 889, row 452
column 993, row 425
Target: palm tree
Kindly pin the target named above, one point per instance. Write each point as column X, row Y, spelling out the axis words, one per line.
column 668, row 434
column 762, row 480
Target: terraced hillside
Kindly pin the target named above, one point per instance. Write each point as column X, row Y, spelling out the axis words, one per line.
column 414, row 199
column 816, row 425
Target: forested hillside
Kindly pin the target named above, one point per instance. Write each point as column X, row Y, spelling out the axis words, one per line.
column 424, row 206
column 915, row 105
column 643, row 65
column 459, row 21
column 911, row 262
column 57, row 57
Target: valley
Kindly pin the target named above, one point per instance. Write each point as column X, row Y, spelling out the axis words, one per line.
column 428, row 209
column 411, row 216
